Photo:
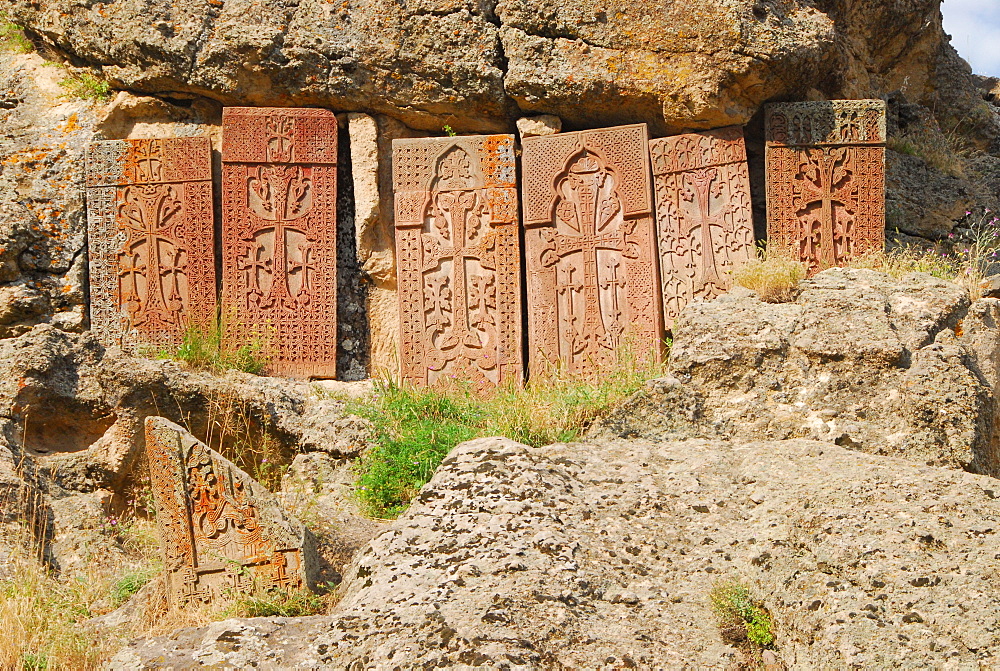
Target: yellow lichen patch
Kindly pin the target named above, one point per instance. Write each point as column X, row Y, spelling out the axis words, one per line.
column 71, row 125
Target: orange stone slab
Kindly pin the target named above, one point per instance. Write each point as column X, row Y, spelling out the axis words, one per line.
column 458, row 259
column 222, row 534
column 826, row 179
column 590, row 249
column 151, row 240
column 279, row 233
column 704, row 219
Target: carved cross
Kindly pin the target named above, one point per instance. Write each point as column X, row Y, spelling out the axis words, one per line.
column 823, row 184
column 703, row 186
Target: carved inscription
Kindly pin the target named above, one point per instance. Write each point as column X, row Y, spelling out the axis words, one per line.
column 703, row 214
column 590, row 249
column 221, row 532
column 458, row 258
column 279, row 229
column 150, row 240
column 826, row 179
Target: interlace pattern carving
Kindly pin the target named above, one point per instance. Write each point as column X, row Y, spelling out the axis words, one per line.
column 591, row 262
column 150, row 240
column 458, row 259
column 703, row 214
column 221, row 532
column 826, row 179
column 279, row 229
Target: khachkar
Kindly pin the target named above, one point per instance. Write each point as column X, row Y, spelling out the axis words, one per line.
column 826, row 179
column 221, row 532
column 279, row 231
column 703, row 214
column 458, row 258
column 150, row 240
column 590, row 249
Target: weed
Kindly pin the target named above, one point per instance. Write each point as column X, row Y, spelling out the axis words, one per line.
column 223, row 344
column 277, row 603
column 416, row 428
column 449, row 131
column 86, row 86
column 774, row 276
column 740, row 618
column 941, row 151
column 12, row 38
column 124, row 588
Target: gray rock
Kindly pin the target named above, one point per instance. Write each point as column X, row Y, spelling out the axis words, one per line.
column 859, row 359
column 602, row 555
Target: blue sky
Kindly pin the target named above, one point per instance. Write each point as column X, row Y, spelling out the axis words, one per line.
column 974, row 26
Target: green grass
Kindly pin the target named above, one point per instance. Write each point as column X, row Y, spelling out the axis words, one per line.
column 124, row 588
column 416, row 428
column 278, row 603
column 222, row 345
column 12, row 37
column 734, row 607
column 86, row 86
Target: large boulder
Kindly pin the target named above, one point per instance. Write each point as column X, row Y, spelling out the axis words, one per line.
column 476, row 65
column 859, row 359
column 603, row 555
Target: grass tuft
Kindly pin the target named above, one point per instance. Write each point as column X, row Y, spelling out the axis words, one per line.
column 416, row 428
column 224, row 344
column 12, row 38
column 773, row 276
column 86, row 86
column 278, row 603
column 936, row 148
column 740, row 618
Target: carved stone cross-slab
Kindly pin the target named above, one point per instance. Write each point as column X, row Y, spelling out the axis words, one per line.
column 458, row 259
column 703, row 214
column 590, row 249
column 826, row 179
column 279, row 232
column 151, row 240
column 221, row 532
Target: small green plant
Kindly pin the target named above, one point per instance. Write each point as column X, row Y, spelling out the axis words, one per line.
column 740, row 618
column 416, row 428
column 12, row 38
column 125, row 587
column 277, row 603
column 86, row 86
column 449, row 131
column 774, row 276
column 221, row 345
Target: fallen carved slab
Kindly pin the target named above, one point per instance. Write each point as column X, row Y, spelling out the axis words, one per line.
column 703, row 214
column 590, row 249
column 279, row 231
column 458, row 258
column 221, row 532
column 826, row 179
column 151, row 240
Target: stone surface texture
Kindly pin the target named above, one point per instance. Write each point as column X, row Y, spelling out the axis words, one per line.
column 893, row 367
column 458, row 257
column 543, row 124
column 826, row 179
column 704, row 218
column 602, row 555
column 279, row 258
column 590, row 248
column 151, row 240
column 222, row 533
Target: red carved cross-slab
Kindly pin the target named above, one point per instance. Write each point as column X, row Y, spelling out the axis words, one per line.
column 279, row 232
column 703, row 214
column 150, row 240
column 590, row 249
column 458, row 259
column 826, row 179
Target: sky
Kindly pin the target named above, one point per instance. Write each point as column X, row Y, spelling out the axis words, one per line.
column 974, row 26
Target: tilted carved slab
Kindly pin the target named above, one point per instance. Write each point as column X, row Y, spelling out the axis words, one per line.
column 703, row 214
column 151, row 240
column 458, row 258
column 279, row 231
column 221, row 532
column 590, row 248
column 826, row 179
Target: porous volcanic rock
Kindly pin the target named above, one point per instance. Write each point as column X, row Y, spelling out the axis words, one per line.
column 475, row 65
column 602, row 555
column 859, row 359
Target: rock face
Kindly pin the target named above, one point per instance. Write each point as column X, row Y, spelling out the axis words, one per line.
column 476, row 65
column 602, row 555
column 859, row 359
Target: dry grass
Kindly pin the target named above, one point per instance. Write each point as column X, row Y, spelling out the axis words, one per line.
column 224, row 344
column 934, row 147
column 774, row 276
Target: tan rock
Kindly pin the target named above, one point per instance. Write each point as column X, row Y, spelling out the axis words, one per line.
column 533, row 126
